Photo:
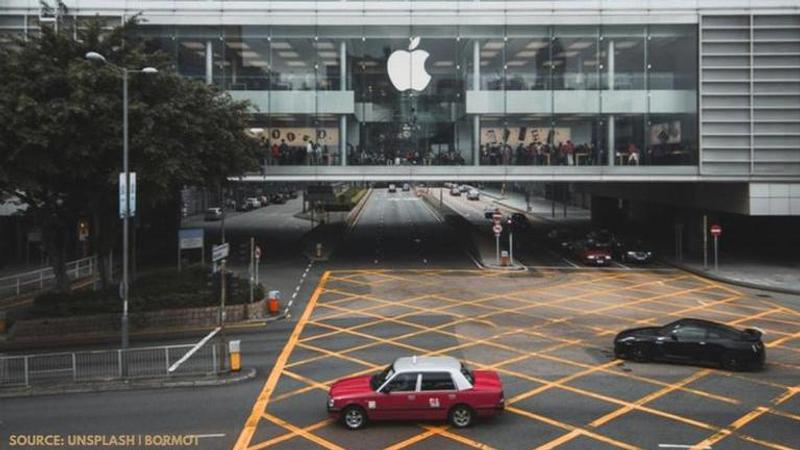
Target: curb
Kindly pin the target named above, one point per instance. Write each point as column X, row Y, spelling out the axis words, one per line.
column 145, row 336
column 733, row 281
column 246, row 374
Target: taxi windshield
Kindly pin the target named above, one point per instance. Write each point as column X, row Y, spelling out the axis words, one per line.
column 467, row 374
column 378, row 379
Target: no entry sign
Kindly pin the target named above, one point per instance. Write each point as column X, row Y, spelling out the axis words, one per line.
column 258, row 252
column 716, row 230
column 497, row 229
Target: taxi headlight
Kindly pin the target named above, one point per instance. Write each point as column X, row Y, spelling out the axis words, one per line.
column 590, row 256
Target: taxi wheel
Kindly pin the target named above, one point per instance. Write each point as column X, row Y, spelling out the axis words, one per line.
column 354, row 417
column 461, row 416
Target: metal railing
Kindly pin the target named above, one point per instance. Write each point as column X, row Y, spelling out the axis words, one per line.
column 109, row 365
column 43, row 279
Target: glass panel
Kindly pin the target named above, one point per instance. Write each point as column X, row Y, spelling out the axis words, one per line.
column 528, row 65
column 629, row 48
column 672, row 57
column 575, row 58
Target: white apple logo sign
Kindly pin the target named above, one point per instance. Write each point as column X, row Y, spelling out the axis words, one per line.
column 407, row 68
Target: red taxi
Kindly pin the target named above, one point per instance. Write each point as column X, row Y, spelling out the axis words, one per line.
column 417, row 388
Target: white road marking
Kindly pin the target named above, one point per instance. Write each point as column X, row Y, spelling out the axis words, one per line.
column 571, row 263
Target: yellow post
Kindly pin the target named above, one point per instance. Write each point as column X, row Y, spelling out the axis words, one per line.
column 236, row 359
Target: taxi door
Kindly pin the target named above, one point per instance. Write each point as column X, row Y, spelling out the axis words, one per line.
column 437, row 394
column 397, row 400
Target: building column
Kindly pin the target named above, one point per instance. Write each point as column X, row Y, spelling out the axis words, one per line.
column 209, row 63
column 612, row 154
column 476, row 86
column 343, row 117
column 476, row 140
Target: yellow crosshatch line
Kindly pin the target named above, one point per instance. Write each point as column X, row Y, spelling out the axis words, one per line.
column 597, row 285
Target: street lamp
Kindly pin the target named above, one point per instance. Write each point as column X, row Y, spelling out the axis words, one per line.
column 97, row 57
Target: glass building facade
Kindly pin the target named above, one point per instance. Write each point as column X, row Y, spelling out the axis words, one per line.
column 489, row 95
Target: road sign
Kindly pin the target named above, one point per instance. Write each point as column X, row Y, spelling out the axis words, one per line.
column 190, row 238
column 258, row 253
column 716, row 230
column 497, row 229
column 497, row 218
column 83, row 230
column 123, row 192
column 220, row 252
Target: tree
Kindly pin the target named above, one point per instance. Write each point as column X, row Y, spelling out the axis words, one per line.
column 61, row 132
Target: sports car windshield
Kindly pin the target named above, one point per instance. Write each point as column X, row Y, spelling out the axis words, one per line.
column 378, row 379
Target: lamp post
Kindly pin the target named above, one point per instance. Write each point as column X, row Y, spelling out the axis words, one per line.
column 97, row 57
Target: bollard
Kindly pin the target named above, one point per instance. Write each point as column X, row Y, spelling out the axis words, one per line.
column 2, row 321
column 319, row 250
column 273, row 302
column 236, row 358
column 504, row 258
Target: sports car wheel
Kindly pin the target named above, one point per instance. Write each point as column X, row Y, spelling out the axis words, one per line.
column 729, row 361
column 640, row 353
column 461, row 416
column 354, row 418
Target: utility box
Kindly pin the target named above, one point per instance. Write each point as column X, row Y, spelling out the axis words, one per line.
column 504, row 260
column 234, row 349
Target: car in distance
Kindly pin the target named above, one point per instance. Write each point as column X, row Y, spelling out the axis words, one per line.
column 464, row 188
column 520, row 221
column 252, row 203
column 473, row 194
column 455, row 191
column 417, row 388
column 406, row 187
column 693, row 341
column 213, row 214
column 633, row 251
column 392, row 188
column 591, row 253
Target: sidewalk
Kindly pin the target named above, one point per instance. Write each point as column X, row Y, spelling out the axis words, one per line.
column 127, row 385
column 751, row 272
column 541, row 208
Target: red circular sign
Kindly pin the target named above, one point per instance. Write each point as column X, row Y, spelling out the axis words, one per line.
column 716, row 230
column 497, row 229
column 258, row 252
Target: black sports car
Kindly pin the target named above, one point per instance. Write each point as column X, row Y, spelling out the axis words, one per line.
column 633, row 251
column 693, row 341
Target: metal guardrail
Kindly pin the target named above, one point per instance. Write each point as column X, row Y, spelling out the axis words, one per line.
column 43, row 279
column 109, row 365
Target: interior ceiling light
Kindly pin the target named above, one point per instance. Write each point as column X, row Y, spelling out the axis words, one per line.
column 194, row 45
column 324, row 45
column 289, row 54
column 526, row 53
column 281, row 45
column 493, row 45
column 327, row 54
column 580, row 45
column 535, row 45
column 626, row 44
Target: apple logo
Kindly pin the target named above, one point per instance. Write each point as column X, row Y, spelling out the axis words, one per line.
column 407, row 68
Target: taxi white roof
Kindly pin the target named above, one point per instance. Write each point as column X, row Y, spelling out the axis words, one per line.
column 426, row 363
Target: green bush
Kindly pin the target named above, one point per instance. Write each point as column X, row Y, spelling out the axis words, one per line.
column 154, row 290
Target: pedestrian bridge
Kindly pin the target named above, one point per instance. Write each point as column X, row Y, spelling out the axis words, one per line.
column 657, row 174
